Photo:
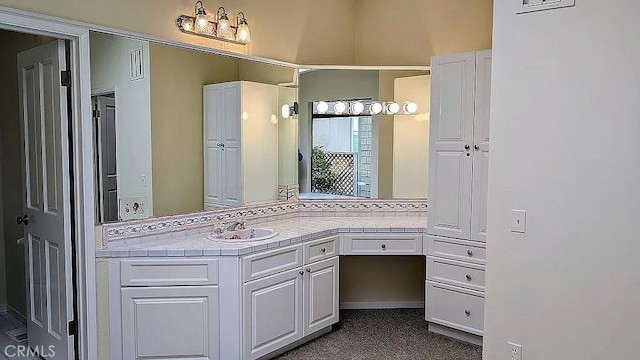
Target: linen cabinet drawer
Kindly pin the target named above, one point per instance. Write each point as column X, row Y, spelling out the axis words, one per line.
column 382, row 244
column 454, row 249
column 456, row 273
column 271, row 262
column 168, row 272
column 456, row 308
column 320, row 249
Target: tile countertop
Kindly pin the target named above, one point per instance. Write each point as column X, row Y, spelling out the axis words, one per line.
column 290, row 231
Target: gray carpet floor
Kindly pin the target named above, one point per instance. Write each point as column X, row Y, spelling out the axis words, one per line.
column 383, row 334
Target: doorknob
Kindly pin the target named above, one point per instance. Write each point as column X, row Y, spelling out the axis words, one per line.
column 466, row 146
column 22, row 220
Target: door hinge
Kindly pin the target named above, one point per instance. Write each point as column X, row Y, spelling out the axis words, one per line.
column 73, row 328
column 65, row 78
column 96, row 114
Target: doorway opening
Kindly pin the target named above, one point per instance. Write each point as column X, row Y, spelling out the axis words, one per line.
column 106, row 177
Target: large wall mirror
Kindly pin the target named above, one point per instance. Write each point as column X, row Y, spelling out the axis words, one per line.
column 363, row 154
column 148, row 114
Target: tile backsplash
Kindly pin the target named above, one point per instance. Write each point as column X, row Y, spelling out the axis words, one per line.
column 203, row 221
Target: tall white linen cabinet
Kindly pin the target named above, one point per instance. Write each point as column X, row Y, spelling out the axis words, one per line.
column 457, row 221
column 240, row 143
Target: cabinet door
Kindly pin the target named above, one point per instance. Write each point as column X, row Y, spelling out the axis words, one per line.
column 481, row 146
column 451, row 145
column 170, row 323
column 272, row 311
column 321, row 286
column 231, row 124
column 213, row 140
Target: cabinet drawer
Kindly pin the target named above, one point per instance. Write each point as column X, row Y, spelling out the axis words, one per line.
column 382, row 244
column 455, row 249
column 455, row 308
column 320, row 249
column 271, row 262
column 456, row 273
column 166, row 272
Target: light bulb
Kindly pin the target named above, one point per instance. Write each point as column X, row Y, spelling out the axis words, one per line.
column 339, row 107
column 286, row 111
column 274, row 119
column 322, row 107
column 245, row 115
column 357, row 108
column 410, row 107
column 393, row 108
column 242, row 34
column 202, row 22
column 187, row 25
column 375, row 108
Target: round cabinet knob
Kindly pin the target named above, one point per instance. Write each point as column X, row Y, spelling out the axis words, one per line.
column 20, row 220
column 470, row 252
column 468, row 154
column 323, row 250
column 467, row 312
column 308, row 270
column 301, row 272
column 476, row 147
column 384, row 246
column 466, row 146
column 468, row 277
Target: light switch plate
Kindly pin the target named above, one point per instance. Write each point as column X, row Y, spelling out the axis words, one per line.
column 133, row 208
column 525, row 6
column 518, row 221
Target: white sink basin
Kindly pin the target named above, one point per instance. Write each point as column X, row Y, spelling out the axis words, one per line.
column 251, row 234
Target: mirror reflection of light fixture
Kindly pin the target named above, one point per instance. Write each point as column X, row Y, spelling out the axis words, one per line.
column 375, row 108
column 242, row 33
column 339, row 107
column 410, row 107
column 392, row 108
column 289, row 110
column 199, row 24
column 357, row 108
column 322, row 107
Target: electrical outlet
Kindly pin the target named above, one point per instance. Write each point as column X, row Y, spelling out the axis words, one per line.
column 515, row 351
column 133, row 208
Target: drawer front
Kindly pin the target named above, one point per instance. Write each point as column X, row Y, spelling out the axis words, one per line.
column 382, row 244
column 320, row 249
column 168, row 272
column 456, row 309
column 456, row 273
column 454, row 249
column 271, row 262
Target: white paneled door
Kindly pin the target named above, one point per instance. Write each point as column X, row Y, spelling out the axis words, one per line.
column 321, row 295
column 451, row 142
column 46, row 181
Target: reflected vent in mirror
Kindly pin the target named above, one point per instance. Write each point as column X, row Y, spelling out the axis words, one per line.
column 136, row 64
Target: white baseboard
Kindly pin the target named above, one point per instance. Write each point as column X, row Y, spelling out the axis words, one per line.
column 13, row 312
column 382, row 305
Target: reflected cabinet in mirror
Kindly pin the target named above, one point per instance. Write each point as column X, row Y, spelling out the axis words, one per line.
column 165, row 145
column 363, row 134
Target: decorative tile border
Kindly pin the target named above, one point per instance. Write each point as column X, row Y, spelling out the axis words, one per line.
column 260, row 213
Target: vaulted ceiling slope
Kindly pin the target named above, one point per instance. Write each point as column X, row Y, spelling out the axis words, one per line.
column 345, row 32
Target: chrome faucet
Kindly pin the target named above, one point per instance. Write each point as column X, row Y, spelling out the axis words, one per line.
column 237, row 225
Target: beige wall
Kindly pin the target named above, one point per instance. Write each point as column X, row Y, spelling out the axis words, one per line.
column 287, row 139
column 177, row 77
column 265, row 73
column 411, row 139
column 10, row 45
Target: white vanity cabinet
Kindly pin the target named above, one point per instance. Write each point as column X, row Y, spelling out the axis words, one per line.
column 240, row 143
column 457, row 222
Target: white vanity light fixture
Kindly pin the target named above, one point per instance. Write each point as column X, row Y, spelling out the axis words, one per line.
column 392, row 108
column 357, row 108
column 409, row 107
column 199, row 24
column 322, row 107
column 375, row 108
column 339, row 108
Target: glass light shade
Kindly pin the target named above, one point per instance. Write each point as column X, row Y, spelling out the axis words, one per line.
column 322, row 107
column 286, row 111
column 393, row 108
column 243, row 35
column 202, row 22
column 410, row 107
column 187, row 24
column 375, row 108
column 339, row 107
column 224, row 29
column 357, row 108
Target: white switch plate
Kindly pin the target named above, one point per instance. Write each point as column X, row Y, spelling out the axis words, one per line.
column 133, row 208
column 525, row 6
column 518, row 221
column 515, row 351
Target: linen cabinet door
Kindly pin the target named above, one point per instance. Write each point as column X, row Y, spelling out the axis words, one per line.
column 481, row 146
column 272, row 310
column 450, row 145
column 321, row 286
column 213, row 140
column 232, row 159
column 170, row 323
